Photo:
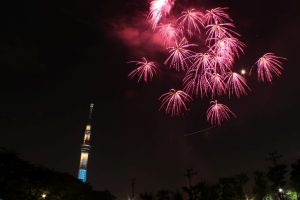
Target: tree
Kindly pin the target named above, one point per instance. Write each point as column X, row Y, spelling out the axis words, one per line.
column 146, row 196
column 260, row 188
column 227, row 188
column 177, row 195
column 240, row 182
column 276, row 173
column 163, row 195
column 22, row 180
column 295, row 176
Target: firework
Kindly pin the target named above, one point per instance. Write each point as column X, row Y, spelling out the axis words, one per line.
column 228, row 46
column 145, row 70
column 268, row 66
column 216, row 14
column 236, row 84
column 208, row 72
column 174, row 102
column 217, row 113
column 196, row 83
column 158, row 9
column 192, row 21
column 217, row 84
column 169, row 33
column 220, row 30
column 179, row 55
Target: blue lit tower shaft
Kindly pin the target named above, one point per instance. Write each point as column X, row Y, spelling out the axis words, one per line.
column 85, row 149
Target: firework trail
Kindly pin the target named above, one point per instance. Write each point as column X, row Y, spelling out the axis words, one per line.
column 158, row 9
column 217, row 113
column 174, row 102
column 268, row 66
column 145, row 70
column 179, row 55
column 203, row 48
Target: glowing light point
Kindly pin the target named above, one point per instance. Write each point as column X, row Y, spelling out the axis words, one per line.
column 44, row 196
column 243, row 72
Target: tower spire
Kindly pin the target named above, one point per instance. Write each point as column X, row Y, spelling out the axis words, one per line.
column 85, row 148
column 91, row 112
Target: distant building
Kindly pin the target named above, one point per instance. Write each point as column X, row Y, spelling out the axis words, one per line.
column 85, row 148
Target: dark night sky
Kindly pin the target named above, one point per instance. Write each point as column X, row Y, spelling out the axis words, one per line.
column 59, row 56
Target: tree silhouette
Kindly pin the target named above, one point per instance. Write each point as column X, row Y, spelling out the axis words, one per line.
column 20, row 180
column 240, row 182
column 146, row 196
column 260, row 188
column 295, row 176
column 163, row 195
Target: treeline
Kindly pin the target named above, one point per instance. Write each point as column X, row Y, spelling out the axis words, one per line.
column 20, row 180
column 278, row 181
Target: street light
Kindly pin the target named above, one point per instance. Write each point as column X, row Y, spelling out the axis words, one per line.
column 44, row 196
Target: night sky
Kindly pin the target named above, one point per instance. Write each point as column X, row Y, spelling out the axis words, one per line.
column 58, row 56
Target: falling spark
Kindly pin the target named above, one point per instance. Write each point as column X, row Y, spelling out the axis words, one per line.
column 236, row 84
column 158, row 9
column 174, row 102
column 217, row 113
column 192, row 21
column 145, row 70
column 179, row 55
column 268, row 66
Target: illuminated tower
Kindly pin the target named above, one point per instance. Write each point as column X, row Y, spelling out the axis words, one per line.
column 85, row 148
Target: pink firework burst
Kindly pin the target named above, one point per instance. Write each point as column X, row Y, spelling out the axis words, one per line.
column 236, row 84
column 197, row 83
column 217, row 113
column 169, row 33
column 268, row 66
column 179, row 55
column 220, row 30
column 228, row 46
column 216, row 14
column 145, row 70
column 174, row 102
column 158, row 9
column 217, row 84
column 207, row 71
column 192, row 21
column 202, row 61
